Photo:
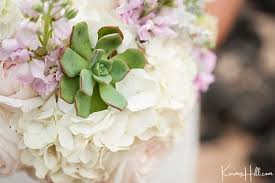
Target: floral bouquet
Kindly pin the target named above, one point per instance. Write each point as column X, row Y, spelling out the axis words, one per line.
column 99, row 91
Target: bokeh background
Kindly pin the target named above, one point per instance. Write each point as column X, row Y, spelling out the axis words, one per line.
column 238, row 112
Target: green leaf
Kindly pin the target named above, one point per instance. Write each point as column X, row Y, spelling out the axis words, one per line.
column 134, row 58
column 87, row 82
column 111, row 97
column 103, row 31
column 72, row 63
column 119, row 70
column 100, row 70
column 80, row 41
column 107, row 64
column 97, row 55
column 103, row 79
column 83, row 104
column 68, row 88
column 109, row 43
column 97, row 103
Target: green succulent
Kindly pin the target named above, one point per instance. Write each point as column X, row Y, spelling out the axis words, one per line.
column 90, row 73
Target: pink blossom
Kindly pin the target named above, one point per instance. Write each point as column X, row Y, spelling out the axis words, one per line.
column 51, row 74
column 62, row 29
column 21, row 56
column 26, row 36
column 27, row 8
column 30, row 70
column 206, row 61
column 153, row 24
column 203, row 81
column 7, row 47
column 157, row 26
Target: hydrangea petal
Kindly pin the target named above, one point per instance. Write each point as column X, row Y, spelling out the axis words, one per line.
column 139, row 89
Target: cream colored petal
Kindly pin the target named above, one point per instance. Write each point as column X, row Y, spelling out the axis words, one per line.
column 141, row 121
column 25, row 105
column 80, row 128
column 39, row 137
column 139, row 89
column 66, row 139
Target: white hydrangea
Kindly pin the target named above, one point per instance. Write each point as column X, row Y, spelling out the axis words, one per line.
column 140, row 90
column 10, row 17
column 173, row 68
column 63, row 147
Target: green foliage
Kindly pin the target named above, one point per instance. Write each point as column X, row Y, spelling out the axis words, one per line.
column 90, row 73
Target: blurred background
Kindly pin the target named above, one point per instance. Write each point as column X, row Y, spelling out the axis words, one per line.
column 238, row 112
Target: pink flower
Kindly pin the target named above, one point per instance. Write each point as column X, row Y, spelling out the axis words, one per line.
column 153, row 24
column 51, row 74
column 130, row 11
column 157, row 26
column 27, row 8
column 29, row 71
column 206, row 61
column 26, row 36
column 12, row 54
column 15, row 95
column 8, row 46
column 62, row 29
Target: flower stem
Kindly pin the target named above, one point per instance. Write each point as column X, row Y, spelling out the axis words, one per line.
column 47, row 26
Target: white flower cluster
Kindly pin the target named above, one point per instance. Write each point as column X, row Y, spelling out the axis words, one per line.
column 62, row 147
column 10, row 17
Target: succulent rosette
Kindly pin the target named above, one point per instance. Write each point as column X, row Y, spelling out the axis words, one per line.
column 99, row 91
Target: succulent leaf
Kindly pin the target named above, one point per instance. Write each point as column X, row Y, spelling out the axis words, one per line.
column 134, row 58
column 107, row 64
column 97, row 103
column 89, row 73
column 68, row 88
column 103, row 31
column 96, row 56
column 80, row 41
column 87, row 82
column 83, row 104
column 111, row 97
column 119, row 70
column 103, row 79
column 72, row 63
column 109, row 43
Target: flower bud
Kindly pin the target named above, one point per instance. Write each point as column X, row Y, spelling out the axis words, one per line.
column 70, row 13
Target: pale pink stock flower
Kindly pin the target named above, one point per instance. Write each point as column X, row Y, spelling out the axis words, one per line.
column 150, row 25
column 157, row 26
column 16, row 50
column 206, row 61
column 27, row 36
column 27, row 7
column 52, row 73
column 62, row 29
column 29, row 71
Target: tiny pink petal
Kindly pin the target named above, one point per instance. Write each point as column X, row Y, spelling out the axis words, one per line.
column 21, row 56
column 27, row 36
column 8, row 46
column 208, row 60
column 62, row 28
column 27, row 8
column 37, row 68
column 24, row 74
column 39, row 86
column 203, row 81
